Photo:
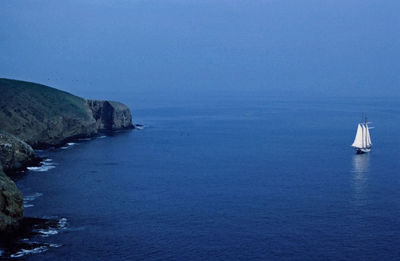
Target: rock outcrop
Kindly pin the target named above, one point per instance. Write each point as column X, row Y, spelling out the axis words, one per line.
column 43, row 116
column 37, row 116
column 110, row 115
column 11, row 204
column 15, row 153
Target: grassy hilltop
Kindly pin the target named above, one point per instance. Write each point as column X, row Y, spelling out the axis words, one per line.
column 41, row 115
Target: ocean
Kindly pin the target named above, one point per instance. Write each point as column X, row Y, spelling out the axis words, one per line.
column 249, row 108
column 224, row 178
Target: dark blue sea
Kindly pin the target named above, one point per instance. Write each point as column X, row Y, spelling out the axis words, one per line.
column 229, row 178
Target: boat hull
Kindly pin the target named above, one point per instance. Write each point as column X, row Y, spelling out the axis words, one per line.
column 364, row 150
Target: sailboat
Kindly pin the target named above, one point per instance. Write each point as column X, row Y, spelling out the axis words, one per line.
column 362, row 142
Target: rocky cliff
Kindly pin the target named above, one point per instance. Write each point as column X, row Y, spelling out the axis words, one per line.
column 11, row 204
column 43, row 116
column 15, row 153
column 110, row 115
column 37, row 116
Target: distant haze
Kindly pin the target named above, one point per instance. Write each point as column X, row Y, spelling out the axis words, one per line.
column 177, row 48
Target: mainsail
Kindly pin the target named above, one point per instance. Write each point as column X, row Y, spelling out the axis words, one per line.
column 358, row 141
column 363, row 138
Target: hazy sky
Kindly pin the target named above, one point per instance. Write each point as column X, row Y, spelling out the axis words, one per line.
column 315, row 48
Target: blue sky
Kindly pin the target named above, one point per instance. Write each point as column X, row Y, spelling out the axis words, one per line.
column 310, row 48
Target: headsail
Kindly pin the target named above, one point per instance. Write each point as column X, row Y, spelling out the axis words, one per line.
column 368, row 137
column 358, row 141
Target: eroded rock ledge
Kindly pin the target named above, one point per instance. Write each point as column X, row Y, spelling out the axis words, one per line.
column 14, row 153
column 37, row 116
column 110, row 115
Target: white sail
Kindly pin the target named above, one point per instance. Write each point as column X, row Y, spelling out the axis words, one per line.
column 364, row 136
column 358, row 141
column 368, row 137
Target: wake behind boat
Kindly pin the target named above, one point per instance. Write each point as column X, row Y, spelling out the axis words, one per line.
column 362, row 142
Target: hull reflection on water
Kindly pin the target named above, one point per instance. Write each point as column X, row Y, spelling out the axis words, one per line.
column 360, row 171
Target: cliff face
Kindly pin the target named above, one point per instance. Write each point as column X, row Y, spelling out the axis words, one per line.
column 43, row 116
column 11, row 204
column 14, row 153
column 38, row 116
column 110, row 115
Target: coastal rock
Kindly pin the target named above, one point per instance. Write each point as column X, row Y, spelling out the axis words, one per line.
column 11, row 204
column 110, row 115
column 14, row 153
column 43, row 116
column 37, row 116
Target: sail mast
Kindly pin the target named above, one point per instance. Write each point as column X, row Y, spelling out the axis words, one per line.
column 366, row 131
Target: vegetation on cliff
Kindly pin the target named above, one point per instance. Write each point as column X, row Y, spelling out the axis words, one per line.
column 37, row 116
column 42, row 116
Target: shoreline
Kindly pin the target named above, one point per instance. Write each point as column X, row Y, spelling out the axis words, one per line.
column 20, row 241
column 38, row 161
column 38, row 117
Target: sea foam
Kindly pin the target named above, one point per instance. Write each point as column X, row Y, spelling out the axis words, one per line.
column 24, row 252
column 32, row 197
column 28, row 199
column 47, row 165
